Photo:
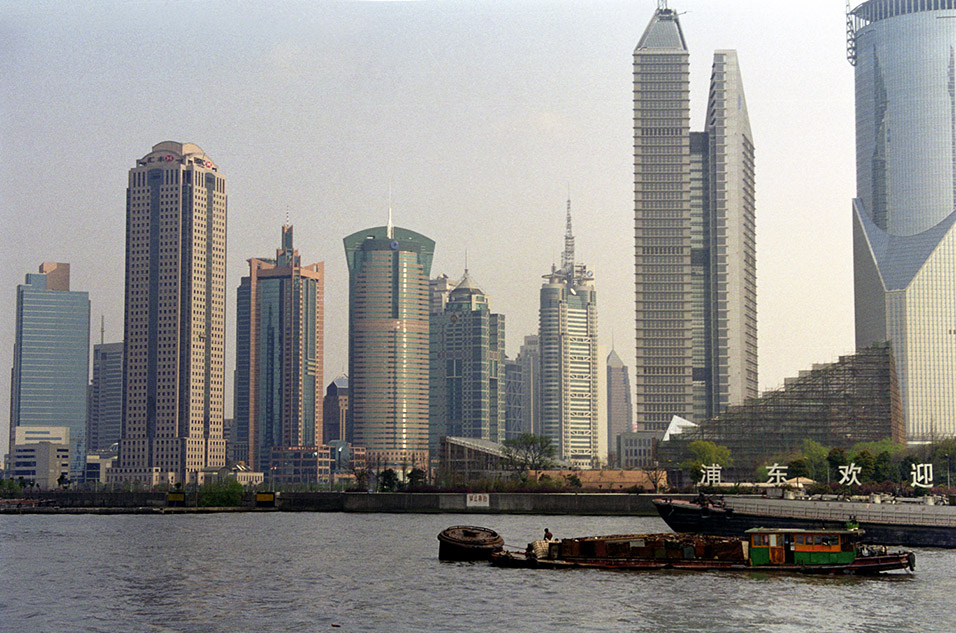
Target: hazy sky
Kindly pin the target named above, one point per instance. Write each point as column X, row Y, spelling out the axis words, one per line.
column 480, row 114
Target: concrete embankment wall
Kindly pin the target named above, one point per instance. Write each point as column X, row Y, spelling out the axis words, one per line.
column 490, row 503
column 485, row 503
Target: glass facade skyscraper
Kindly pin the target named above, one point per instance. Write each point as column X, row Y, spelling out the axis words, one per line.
column 389, row 269
column 694, row 235
column 51, row 359
column 279, row 354
column 904, row 240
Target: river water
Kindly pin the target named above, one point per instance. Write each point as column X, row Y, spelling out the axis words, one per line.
column 277, row 572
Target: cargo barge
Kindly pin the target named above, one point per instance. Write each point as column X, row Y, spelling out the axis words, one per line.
column 898, row 524
column 761, row 549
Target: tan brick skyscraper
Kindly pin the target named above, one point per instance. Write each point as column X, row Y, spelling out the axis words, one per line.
column 175, row 317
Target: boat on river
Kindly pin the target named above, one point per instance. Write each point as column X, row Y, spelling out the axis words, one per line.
column 761, row 549
column 897, row 522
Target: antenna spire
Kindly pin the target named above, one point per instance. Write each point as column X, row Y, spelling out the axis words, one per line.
column 567, row 259
column 389, row 227
column 662, row 5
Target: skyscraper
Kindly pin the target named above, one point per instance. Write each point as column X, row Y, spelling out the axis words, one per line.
column 279, row 353
column 514, row 406
column 104, row 425
column 335, row 409
column 51, row 358
column 389, row 268
column 175, row 317
column 568, row 339
column 467, row 380
column 694, row 235
column 620, row 411
column 904, row 241
column 529, row 358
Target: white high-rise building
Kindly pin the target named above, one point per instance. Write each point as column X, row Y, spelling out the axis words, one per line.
column 904, row 241
column 175, row 317
column 694, row 235
column 568, row 346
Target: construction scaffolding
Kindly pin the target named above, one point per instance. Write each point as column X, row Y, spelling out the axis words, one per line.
column 856, row 399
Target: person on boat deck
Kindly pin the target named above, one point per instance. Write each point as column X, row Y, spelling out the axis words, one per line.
column 548, row 536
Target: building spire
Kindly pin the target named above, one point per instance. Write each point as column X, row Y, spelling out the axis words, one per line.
column 567, row 259
column 662, row 5
column 389, row 227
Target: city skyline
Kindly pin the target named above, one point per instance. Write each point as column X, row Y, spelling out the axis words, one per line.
column 471, row 138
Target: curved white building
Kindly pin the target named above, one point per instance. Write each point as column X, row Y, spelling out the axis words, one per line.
column 904, row 244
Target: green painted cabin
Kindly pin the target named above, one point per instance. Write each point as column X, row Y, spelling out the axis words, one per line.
column 802, row 547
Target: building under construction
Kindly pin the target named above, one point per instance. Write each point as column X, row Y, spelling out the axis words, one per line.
column 856, row 399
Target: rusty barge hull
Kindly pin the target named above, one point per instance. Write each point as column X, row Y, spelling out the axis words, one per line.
column 870, row 565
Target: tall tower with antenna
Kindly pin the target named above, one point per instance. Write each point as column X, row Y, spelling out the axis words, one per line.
column 568, row 345
column 389, row 267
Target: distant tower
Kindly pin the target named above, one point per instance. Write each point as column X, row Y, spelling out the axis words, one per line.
column 335, row 409
column 620, row 411
column 695, row 249
column 467, row 380
column 569, row 366
column 904, row 240
column 529, row 358
column 279, row 353
column 175, row 317
column 514, row 417
column 389, row 269
column 105, row 421
column 51, row 359
column 438, row 291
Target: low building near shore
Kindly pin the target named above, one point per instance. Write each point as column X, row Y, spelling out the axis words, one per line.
column 605, row 480
column 41, row 454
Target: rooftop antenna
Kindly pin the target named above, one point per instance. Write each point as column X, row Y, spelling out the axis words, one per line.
column 389, row 227
column 102, row 329
column 850, row 35
column 567, row 259
column 288, row 222
column 466, row 262
column 662, row 5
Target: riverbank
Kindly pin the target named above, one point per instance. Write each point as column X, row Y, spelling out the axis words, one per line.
column 598, row 504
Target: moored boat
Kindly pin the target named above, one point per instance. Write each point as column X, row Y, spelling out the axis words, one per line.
column 468, row 542
column 762, row 549
column 900, row 523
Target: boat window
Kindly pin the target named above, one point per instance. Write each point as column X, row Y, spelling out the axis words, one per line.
column 799, row 539
column 817, row 539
